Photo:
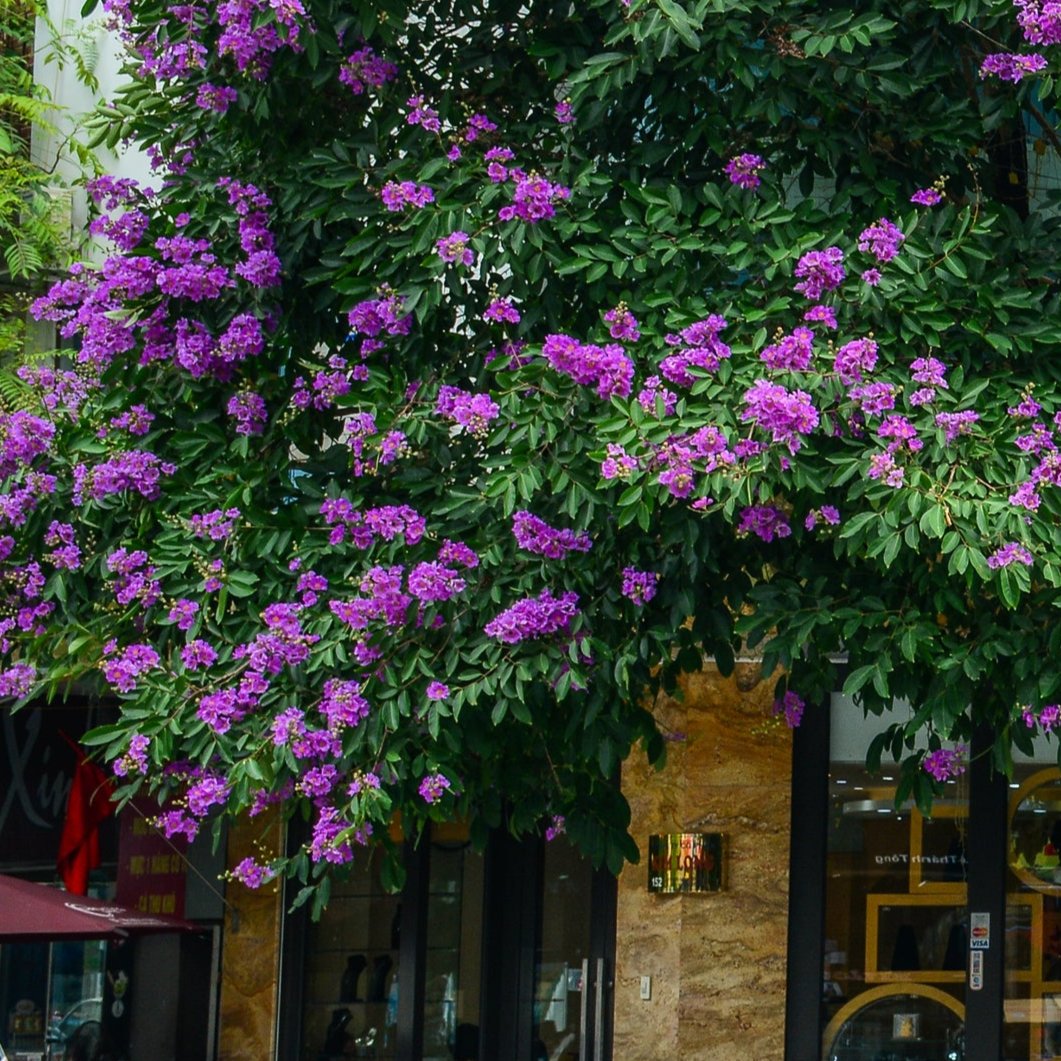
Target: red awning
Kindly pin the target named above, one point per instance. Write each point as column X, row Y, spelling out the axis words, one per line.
column 37, row 912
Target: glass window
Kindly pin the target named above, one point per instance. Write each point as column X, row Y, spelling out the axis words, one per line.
column 895, row 922
column 453, row 955
column 350, row 1006
column 1032, row 1006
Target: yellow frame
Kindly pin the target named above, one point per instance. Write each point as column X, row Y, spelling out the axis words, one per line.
column 841, row 1016
column 1017, row 796
column 917, row 826
column 922, row 976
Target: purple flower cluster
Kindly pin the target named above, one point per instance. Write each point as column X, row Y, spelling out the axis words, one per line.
column 534, row 198
column 134, row 761
column 216, row 98
column 827, row 514
column 434, row 787
column 743, row 170
column 881, row 240
column 397, row 195
column 556, row 827
column 1010, row 553
column 654, row 393
column 618, row 464
column 785, row 415
column 136, row 578
column 432, row 583
column 606, row 366
column 473, row 412
column 252, row 874
column 23, row 438
column 65, row 554
column 17, row 681
column 699, row 346
column 536, row 536
column 1040, row 20
column 945, row 763
column 342, row 704
column 501, row 311
column 495, row 159
column 364, row 69
column 820, row 271
column 792, row 353
column 122, row 669
column 926, row 197
column 1012, row 67
column 421, row 114
column 681, row 456
column 247, row 408
column 217, row 525
column 791, row 705
column 564, row 112
column 1048, row 718
column 639, row 586
column 454, row 248
column 533, row 617
column 955, row 424
column 622, row 324
column 855, row 360
column 451, row 552
column 363, row 528
column 182, row 613
column 198, row 655
column 764, row 521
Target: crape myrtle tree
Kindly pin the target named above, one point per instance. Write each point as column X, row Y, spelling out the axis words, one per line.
column 473, row 369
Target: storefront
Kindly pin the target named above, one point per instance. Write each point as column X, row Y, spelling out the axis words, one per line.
column 78, row 968
column 505, row 954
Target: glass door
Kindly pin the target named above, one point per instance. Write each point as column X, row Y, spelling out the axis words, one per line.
column 896, row 943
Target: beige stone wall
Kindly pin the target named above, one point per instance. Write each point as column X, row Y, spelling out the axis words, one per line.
column 250, row 954
column 717, row 961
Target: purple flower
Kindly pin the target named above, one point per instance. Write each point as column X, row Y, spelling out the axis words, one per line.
column 743, row 170
column 855, row 358
column 197, row 655
column 945, row 763
column 1012, row 67
column 955, row 424
column 536, row 536
column 501, row 310
column 823, row 314
column 454, row 248
column 534, row 199
column 556, row 827
column 791, row 705
column 783, row 414
column 183, row 613
column 252, row 874
column 533, row 617
column 421, row 114
column 565, row 115
column 792, row 353
column 397, row 196
column 217, row 98
column 1010, row 553
column 437, row 691
column 247, row 408
column 622, row 324
column 882, row 241
column 926, row 197
column 820, row 271
column 871, row 277
column 434, row 787
column 433, row 583
column 639, row 586
column 473, row 412
column 364, row 69
column 765, row 522
column 607, row 366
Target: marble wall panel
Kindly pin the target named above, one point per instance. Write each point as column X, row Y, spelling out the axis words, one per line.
column 717, row 961
column 250, row 956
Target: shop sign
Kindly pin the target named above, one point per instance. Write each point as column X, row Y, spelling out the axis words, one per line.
column 152, row 871
column 685, row 862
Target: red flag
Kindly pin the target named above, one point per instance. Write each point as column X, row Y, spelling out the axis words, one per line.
column 88, row 805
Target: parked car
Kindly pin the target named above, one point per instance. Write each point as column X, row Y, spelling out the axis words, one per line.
column 60, row 1031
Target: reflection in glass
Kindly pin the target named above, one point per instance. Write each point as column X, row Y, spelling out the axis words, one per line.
column 895, row 932
column 351, row 979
